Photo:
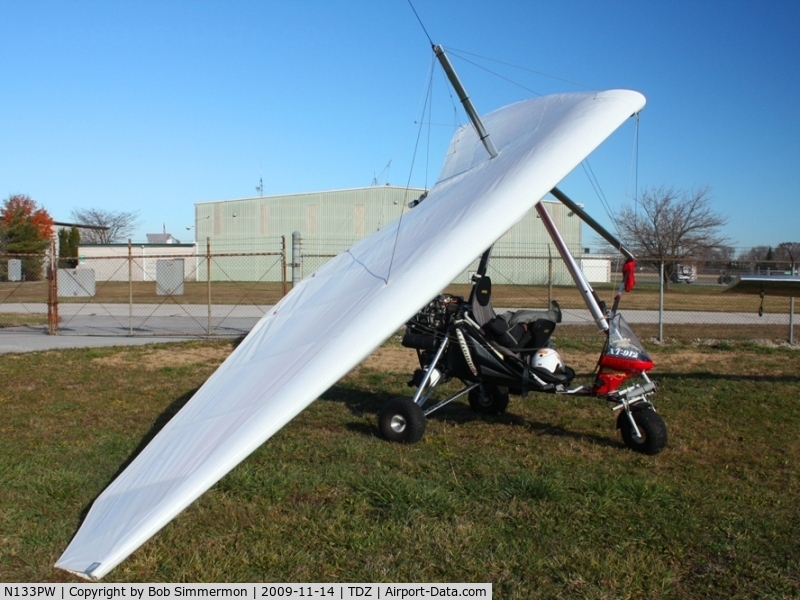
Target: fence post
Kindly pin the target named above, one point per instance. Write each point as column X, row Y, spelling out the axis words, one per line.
column 661, row 301
column 791, row 309
column 283, row 264
column 52, row 292
column 549, row 277
column 130, row 287
column 208, row 280
column 296, row 261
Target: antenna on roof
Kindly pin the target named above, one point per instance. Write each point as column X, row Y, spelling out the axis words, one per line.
column 260, row 186
column 464, row 97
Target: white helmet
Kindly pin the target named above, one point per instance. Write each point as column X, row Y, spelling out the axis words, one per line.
column 548, row 359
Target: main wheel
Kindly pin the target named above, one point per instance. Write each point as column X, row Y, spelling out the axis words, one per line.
column 402, row 421
column 488, row 399
column 651, row 426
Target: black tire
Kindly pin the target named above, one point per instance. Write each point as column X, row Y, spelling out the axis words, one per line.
column 651, row 426
column 488, row 399
column 402, row 421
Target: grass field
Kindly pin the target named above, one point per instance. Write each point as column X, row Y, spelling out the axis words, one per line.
column 21, row 319
column 544, row 501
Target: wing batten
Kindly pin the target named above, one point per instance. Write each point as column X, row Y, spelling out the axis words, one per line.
column 330, row 322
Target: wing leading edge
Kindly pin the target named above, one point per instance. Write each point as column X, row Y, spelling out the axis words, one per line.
column 337, row 316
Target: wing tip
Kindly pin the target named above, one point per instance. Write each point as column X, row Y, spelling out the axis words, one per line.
column 89, row 573
column 636, row 100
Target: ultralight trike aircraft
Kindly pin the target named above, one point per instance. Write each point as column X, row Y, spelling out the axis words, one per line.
column 335, row 317
column 494, row 355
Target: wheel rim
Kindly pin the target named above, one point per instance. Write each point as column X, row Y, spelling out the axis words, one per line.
column 638, row 439
column 482, row 397
column 398, row 423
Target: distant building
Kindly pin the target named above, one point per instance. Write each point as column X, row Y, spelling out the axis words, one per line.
column 161, row 238
column 596, row 267
column 82, row 227
column 331, row 221
column 119, row 262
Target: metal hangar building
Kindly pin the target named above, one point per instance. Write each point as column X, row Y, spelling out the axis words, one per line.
column 331, row 221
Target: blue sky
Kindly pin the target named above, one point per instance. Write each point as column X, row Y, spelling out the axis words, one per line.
column 153, row 106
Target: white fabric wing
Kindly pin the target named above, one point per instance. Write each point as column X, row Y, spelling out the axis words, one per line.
column 337, row 316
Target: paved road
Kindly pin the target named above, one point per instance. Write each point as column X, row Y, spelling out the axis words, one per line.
column 98, row 325
column 36, row 340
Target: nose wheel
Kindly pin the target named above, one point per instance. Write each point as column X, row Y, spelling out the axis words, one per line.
column 652, row 435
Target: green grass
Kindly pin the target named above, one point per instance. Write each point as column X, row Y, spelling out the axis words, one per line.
column 543, row 501
column 22, row 319
column 645, row 296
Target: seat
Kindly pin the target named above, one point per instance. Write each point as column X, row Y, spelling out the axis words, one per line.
column 481, row 301
column 515, row 330
column 525, row 329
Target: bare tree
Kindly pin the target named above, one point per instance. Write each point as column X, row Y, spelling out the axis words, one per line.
column 754, row 254
column 672, row 225
column 756, row 258
column 110, row 226
column 790, row 253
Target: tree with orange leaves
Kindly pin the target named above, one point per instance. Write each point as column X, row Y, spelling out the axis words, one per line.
column 26, row 229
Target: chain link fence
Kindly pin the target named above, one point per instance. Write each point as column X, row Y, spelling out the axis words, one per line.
column 26, row 292
column 223, row 291
column 689, row 299
column 201, row 292
column 673, row 299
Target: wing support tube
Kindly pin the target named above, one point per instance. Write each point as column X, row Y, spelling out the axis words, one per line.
column 602, row 231
column 464, row 97
column 584, row 287
column 418, row 397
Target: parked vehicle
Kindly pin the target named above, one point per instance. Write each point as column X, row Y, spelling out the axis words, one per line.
column 684, row 274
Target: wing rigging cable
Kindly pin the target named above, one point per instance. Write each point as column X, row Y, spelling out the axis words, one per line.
column 634, row 169
column 498, row 75
column 456, row 52
column 585, row 164
column 426, row 105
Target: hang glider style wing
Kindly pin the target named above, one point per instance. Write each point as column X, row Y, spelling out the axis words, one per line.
column 338, row 315
column 766, row 285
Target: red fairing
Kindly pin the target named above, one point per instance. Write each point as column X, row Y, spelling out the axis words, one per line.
column 609, row 382
column 615, row 370
column 628, row 365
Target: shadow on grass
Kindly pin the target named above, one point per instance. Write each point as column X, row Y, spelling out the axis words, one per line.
column 548, row 429
column 157, row 426
column 360, row 402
